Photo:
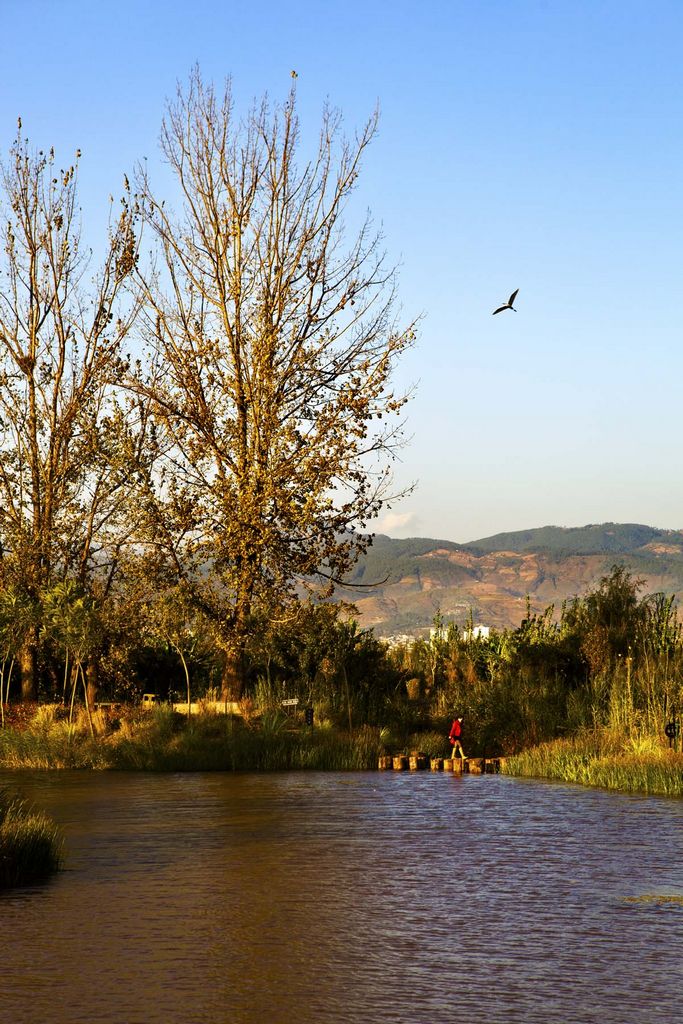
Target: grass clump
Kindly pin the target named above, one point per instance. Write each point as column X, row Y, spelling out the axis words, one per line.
column 30, row 846
column 604, row 759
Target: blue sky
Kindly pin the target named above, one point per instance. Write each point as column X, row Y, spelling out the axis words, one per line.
column 532, row 145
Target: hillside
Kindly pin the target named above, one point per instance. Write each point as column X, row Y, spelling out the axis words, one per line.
column 399, row 584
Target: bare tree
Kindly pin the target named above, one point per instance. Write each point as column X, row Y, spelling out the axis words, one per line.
column 272, row 345
column 65, row 439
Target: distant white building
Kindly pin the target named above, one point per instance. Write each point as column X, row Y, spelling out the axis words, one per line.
column 477, row 633
column 441, row 633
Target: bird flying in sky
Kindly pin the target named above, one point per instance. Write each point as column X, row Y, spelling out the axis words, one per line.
column 508, row 304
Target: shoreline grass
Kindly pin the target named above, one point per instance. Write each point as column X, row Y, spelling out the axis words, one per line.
column 30, row 845
column 605, row 760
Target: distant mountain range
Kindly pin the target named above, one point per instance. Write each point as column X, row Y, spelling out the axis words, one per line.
column 492, row 577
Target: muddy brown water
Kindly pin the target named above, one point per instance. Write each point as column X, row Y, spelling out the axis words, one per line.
column 366, row 897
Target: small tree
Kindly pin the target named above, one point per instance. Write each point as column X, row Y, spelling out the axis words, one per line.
column 436, row 649
column 73, row 621
column 609, row 619
column 177, row 623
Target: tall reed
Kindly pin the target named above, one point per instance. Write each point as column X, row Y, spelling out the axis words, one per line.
column 51, row 742
column 606, row 759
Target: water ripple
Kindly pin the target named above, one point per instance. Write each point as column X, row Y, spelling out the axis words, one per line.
column 373, row 898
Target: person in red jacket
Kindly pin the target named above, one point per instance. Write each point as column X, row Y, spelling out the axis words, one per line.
column 455, row 737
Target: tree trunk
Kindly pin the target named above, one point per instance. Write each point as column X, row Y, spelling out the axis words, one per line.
column 28, row 670
column 92, row 681
column 232, row 677
column 53, row 683
column 234, row 674
column 87, row 703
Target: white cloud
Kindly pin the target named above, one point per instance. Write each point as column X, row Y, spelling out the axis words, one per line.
column 405, row 524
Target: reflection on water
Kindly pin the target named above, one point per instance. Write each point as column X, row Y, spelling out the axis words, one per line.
column 314, row 898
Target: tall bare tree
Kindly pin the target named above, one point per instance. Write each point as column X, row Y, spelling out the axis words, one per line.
column 272, row 345
column 65, row 439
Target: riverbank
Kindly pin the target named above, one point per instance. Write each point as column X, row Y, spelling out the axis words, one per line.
column 160, row 739
column 30, row 845
column 607, row 760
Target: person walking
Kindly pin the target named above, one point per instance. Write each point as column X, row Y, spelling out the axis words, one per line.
column 455, row 737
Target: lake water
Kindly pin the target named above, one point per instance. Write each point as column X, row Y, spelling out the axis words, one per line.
column 372, row 897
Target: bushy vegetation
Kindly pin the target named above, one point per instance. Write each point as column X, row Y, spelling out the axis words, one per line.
column 273, row 742
column 606, row 668
column 44, row 736
column 30, row 846
column 608, row 659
